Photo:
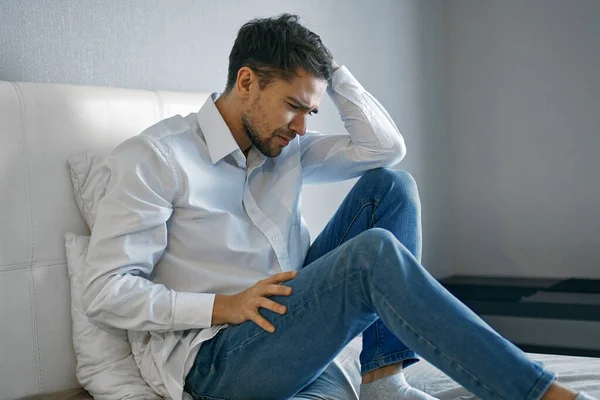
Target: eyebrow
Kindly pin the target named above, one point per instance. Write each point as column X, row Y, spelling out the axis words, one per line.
column 303, row 105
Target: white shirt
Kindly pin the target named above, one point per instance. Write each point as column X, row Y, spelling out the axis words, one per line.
column 186, row 216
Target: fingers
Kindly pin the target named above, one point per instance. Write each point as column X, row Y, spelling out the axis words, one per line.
column 273, row 306
column 262, row 322
column 269, row 305
column 271, row 287
column 281, row 277
column 276, row 290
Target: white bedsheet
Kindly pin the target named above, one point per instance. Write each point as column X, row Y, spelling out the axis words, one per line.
column 578, row 373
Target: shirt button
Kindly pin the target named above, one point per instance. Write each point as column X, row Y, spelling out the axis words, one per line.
column 275, row 238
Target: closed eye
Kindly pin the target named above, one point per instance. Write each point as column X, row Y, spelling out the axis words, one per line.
column 296, row 108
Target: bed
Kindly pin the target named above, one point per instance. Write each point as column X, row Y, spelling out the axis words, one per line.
column 578, row 373
column 41, row 126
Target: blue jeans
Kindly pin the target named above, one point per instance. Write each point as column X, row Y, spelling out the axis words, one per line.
column 363, row 275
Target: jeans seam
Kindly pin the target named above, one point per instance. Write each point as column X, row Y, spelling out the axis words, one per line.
column 373, row 202
column 379, row 338
column 431, row 344
column 373, row 213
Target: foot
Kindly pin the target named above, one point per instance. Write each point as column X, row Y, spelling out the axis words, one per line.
column 393, row 387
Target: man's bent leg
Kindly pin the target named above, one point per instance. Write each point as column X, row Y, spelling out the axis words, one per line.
column 387, row 199
column 325, row 312
column 338, row 296
column 455, row 340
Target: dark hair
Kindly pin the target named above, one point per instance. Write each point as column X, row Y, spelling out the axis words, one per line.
column 274, row 48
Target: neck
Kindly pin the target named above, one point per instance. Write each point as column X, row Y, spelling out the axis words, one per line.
column 231, row 113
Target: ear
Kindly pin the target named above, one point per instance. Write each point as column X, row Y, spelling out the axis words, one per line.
column 246, row 82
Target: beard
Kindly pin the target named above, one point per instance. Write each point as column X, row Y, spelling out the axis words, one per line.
column 264, row 145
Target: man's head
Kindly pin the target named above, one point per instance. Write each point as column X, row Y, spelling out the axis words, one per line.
column 278, row 72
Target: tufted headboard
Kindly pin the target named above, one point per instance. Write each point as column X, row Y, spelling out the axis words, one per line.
column 41, row 126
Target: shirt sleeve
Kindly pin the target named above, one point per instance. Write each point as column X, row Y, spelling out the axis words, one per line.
column 374, row 139
column 128, row 238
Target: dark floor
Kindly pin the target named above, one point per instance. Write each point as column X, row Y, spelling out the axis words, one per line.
column 557, row 299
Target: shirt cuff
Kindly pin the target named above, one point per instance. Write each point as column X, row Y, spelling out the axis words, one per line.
column 193, row 310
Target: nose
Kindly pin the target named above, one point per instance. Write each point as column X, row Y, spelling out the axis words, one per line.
column 298, row 124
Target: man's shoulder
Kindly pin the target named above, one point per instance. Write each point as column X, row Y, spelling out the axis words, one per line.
column 169, row 138
column 169, row 128
column 164, row 138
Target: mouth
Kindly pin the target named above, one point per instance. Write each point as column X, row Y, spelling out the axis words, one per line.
column 284, row 140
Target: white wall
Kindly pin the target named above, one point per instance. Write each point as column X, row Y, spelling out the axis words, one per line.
column 523, row 103
column 393, row 47
column 498, row 102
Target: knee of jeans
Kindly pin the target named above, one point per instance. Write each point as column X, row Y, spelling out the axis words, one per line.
column 378, row 242
column 375, row 239
column 400, row 183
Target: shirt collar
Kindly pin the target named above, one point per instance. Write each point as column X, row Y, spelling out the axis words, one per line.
column 218, row 136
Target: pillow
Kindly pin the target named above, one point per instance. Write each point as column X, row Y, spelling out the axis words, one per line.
column 105, row 365
column 90, row 178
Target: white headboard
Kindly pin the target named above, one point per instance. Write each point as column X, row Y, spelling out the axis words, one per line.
column 41, row 126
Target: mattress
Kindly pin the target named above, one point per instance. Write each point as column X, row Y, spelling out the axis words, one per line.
column 577, row 373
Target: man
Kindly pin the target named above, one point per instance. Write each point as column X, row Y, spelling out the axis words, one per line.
column 200, row 251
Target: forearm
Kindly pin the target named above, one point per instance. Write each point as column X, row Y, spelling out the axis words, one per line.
column 374, row 141
column 135, row 303
column 365, row 119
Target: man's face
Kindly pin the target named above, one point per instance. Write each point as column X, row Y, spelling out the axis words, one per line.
column 278, row 113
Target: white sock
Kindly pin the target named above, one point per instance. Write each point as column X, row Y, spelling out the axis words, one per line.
column 393, row 387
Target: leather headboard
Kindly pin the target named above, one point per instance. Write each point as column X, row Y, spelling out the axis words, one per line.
column 41, row 126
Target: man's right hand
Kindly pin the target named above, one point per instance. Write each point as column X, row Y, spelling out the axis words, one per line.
column 239, row 308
